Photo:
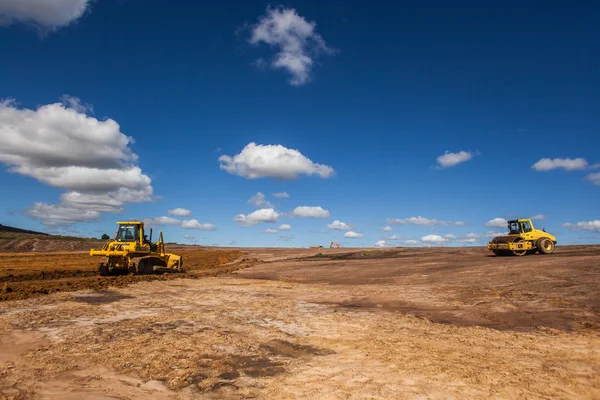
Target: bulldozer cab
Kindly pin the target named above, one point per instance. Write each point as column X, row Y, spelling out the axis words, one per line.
column 518, row 227
column 129, row 232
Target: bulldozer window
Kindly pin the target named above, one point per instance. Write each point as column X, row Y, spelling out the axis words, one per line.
column 526, row 226
column 514, row 227
column 127, row 233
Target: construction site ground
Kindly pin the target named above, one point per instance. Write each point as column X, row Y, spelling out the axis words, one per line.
column 433, row 323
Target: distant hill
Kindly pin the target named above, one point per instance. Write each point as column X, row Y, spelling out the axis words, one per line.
column 4, row 228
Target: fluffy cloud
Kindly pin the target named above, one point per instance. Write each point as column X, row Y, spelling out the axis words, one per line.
column 594, row 178
column 312, row 212
column 411, row 242
column 433, row 239
column 283, row 195
column 584, row 225
column 568, row 164
column 295, row 40
column 272, row 161
column 423, row 221
column 270, row 230
column 380, row 243
column 45, row 15
column 285, row 227
column 60, row 214
column 394, row 237
column 492, row 234
column 451, row 159
column 387, row 228
column 162, row 221
column 258, row 216
column 259, row 200
column 190, row 238
column 61, row 146
column 339, row 225
column 180, row 212
column 353, row 235
column 539, row 217
column 194, row 224
column 497, row 223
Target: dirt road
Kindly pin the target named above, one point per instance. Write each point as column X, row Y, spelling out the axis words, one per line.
column 408, row 323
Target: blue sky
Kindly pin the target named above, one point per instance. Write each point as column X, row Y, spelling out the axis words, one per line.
column 118, row 110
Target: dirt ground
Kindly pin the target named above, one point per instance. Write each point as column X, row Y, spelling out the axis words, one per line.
column 327, row 324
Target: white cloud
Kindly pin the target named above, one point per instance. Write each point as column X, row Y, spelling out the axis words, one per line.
column 180, row 212
column 411, row 242
column 283, row 195
column 270, row 230
column 190, row 238
column 584, row 225
column 194, row 224
column 258, row 216
column 272, row 161
column 353, row 235
column 539, row 217
column 492, row 234
column 450, row 236
column 285, row 227
column 497, row 223
column 162, row 221
column 339, row 225
column 312, row 212
column 594, row 178
column 45, row 15
column 259, row 200
column 394, row 237
column 60, row 214
column 451, row 159
column 423, row 221
column 65, row 148
column 296, row 42
column 387, row 228
column 380, row 243
column 433, row 239
column 76, row 104
column 568, row 164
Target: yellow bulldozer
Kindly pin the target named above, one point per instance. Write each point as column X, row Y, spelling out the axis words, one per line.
column 131, row 243
column 522, row 239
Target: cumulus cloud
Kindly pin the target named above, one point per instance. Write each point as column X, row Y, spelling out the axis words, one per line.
column 283, row 195
column 411, row 242
column 270, row 230
column 393, row 237
column 539, row 217
column 468, row 238
column 162, row 221
column 339, row 225
column 380, row 243
column 433, row 239
column 194, row 224
column 492, row 234
column 568, row 164
column 294, row 39
column 497, row 223
column 59, row 214
column 353, row 235
column 180, row 212
column 584, row 225
column 190, row 238
column 387, row 228
column 63, row 147
column 285, row 227
column 594, row 178
column 272, row 161
column 423, row 221
column 311, row 212
column 451, row 159
column 45, row 15
column 258, row 216
column 259, row 200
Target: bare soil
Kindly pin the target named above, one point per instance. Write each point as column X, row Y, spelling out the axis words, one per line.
column 318, row 323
